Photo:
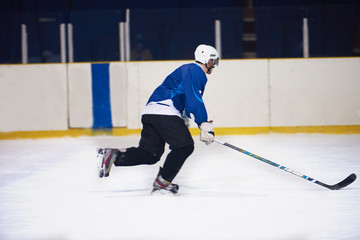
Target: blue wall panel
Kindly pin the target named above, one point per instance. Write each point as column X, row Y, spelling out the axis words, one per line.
column 101, row 95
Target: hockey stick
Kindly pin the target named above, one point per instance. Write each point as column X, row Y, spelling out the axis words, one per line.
column 351, row 178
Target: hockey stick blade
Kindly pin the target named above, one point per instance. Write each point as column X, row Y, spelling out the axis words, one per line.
column 347, row 181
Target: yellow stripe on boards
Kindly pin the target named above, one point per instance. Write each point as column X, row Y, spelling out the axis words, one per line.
column 346, row 129
column 78, row 132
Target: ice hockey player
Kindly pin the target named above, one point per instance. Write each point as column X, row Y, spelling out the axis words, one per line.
column 162, row 123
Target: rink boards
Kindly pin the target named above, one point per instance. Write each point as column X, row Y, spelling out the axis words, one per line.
column 281, row 95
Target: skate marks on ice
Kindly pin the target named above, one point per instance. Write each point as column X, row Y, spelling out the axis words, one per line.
column 121, row 193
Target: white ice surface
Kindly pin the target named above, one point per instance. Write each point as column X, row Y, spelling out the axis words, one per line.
column 50, row 190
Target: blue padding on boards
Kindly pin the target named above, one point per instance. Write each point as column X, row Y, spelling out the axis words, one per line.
column 101, row 95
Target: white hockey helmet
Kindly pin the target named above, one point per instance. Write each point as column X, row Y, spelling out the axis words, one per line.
column 207, row 54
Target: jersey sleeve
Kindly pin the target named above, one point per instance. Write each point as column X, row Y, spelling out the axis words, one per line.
column 194, row 84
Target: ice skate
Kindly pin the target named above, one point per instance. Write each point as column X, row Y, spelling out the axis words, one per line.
column 106, row 157
column 161, row 186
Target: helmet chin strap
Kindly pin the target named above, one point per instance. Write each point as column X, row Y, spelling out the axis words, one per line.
column 208, row 68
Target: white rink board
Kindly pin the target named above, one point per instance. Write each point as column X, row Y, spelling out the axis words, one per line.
column 118, row 94
column 80, row 95
column 239, row 93
column 310, row 92
column 33, row 97
column 236, row 94
column 263, row 93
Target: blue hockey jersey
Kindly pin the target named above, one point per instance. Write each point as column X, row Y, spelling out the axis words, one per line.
column 182, row 89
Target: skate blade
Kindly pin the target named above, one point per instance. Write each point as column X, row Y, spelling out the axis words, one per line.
column 163, row 192
column 101, row 173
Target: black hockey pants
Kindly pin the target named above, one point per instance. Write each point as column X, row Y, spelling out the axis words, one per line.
column 158, row 130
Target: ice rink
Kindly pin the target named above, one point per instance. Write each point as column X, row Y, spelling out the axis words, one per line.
column 50, row 190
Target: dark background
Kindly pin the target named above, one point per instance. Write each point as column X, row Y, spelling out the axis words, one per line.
column 171, row 30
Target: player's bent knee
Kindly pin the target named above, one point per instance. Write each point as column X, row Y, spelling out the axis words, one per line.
column 189, row 149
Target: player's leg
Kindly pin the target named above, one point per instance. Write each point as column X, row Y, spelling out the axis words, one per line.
column 172, row 166
column 150, row 150
column 174, row 131
column 175, row 160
